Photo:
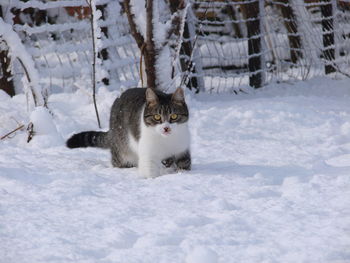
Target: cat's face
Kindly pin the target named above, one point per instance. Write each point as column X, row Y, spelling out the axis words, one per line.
column 165, row 112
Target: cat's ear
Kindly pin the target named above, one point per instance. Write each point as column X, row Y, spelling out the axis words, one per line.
column 178, row 96
column 151, row 97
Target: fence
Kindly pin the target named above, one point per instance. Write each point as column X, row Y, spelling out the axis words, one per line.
column 58, row 35
column 257, row 42
column 236, row 43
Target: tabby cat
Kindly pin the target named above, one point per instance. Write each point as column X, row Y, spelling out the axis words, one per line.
column 148, row 129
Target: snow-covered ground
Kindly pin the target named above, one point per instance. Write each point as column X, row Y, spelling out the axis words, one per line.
column 270, row 183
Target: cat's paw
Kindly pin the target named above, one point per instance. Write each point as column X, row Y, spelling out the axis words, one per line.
column 168, row 162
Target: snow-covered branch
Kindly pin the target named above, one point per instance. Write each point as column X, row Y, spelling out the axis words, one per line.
column 18, row 51
column 177, row 21
column 133, row 26
column 162, row 23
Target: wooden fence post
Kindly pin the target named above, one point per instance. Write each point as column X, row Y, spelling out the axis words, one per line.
column 328, row 34
column 251, row 12
column 292, row 28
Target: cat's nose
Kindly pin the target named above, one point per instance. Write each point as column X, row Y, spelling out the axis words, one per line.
column 166, row 129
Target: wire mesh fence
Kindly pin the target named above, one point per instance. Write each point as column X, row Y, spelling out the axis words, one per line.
column 288, row 40
column 235, row 44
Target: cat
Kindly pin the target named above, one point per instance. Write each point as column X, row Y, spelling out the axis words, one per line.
column 148, row 130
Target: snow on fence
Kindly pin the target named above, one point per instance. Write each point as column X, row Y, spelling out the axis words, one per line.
column 236, row 43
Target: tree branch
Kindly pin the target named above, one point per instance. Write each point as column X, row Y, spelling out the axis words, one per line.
column 89, row 2
column 8, row 134
column 149, row 22
column 133, row 27
column 150, row 49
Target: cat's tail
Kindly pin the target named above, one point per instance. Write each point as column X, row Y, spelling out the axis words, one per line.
column 89, row 139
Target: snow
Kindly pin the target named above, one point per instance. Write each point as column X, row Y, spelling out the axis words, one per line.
column 203, row 255
column 339, row 161
column 46, row 134
column 139, row 10
column 270, row 183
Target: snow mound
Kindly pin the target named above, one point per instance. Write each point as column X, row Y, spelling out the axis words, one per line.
column 45, row 131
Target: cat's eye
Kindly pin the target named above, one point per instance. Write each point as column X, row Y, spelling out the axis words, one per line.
column 157, row 117
column 173, row 116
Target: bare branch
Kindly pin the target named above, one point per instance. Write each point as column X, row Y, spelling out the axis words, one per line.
column 149, row 22
column 93, row 61
column 150, row 48
column 8, row 134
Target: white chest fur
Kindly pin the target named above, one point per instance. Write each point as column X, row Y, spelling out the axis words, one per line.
column 154, row 146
